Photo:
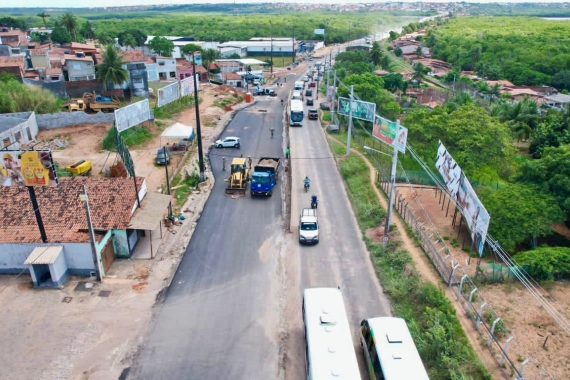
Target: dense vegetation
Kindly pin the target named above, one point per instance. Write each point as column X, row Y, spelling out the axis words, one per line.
column 526, row 51
column 434, row 326
column 17, row 97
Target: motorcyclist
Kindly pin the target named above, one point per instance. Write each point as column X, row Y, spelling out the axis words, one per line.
column 314, row 201
column 307, row 182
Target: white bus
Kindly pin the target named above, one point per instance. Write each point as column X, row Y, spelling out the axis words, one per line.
column 297, row 112
column 390, row 351
column 329, row 351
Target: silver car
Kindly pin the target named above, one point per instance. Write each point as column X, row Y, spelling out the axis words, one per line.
column 228, row 142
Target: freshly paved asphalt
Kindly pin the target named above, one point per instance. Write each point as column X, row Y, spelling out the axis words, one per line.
column 221, row 314
column 233, row 310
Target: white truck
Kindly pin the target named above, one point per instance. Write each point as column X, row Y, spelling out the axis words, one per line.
column 308, row 226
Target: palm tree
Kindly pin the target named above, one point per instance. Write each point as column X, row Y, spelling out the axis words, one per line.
column 419, row 51
column 130, row 41
column 69, row 22
column 88, row 31
column 209, row 56
column 419, row 71
column 375, row 54
column 43, row 16
column 111, row 71
column 494, row 91
column 522, row 117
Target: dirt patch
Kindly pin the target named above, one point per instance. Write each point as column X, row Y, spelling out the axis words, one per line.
column 375, row 234
column 140, row 286
column 141, row 273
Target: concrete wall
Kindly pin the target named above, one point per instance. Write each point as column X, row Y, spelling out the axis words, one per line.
column 59, row 271
column 77, row 256
column 78, row 88
column 152, row 71
column 63, row 119
column 20, row 131
column 57, row 88
column 40, row 60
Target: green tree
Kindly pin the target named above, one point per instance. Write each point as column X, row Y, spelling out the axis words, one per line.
column 139, row 36
column 522, row 117
column 105, row 39
column 546, row 263
column 376, row 54
column 87, row 30
column 494, row 92
column 69, row 22
column 419, row 51
column 521, row 213
column 551, row 173
column 393, row 36
column 161, row 46
column 419, row 71
column 210, row 55
column 561, row 80
column 39, row 37
column 398, row 52
column 189, row 48
column 129, row 41
column 43, row 16
column 393, row 82
column 60, row 36
column 111, row 71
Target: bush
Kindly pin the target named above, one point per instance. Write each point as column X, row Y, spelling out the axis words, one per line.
column 132, row 136
column 168, row 110
column 546, row 263
column 17, row 97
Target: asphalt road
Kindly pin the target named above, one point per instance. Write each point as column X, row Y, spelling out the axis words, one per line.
column 340, row 258
column 233, row 310
column 220, row 318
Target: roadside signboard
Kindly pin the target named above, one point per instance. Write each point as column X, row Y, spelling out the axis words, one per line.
column 27, row 168
column 360, row 110
column 390, row 132
column 168, row 94
column 401, row 138
column 449, row 170
column 131, row 115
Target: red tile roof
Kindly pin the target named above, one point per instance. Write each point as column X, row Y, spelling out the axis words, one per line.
column 231, row 76
column 12, row 61
column 111, row 201
column 82, row 47
column 69, row 57
column 129, row 56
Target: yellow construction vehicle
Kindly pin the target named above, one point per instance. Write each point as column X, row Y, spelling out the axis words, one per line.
column 239, row 176
column 91, row 102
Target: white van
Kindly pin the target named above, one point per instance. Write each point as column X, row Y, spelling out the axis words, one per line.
column 299, row 86
column 297, row 95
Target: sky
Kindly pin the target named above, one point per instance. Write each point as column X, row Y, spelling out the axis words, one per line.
column 106, row 3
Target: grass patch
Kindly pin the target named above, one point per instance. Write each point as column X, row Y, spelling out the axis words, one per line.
column 438, row 335
column 133, row 136
column 228, row 100
column 182, row 185
column 169, row 110
column 61, row 172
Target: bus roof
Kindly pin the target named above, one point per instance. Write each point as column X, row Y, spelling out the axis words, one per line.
column 331, row 350
column 296, row 105
column 397, row 352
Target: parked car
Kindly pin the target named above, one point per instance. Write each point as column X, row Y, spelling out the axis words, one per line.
column 228, row 142
column 308, row 92
column 309, row 101
column 162, row 157
column 313, row 84
column 333, row 128
column 305, row 78
column 313, row 114
column 325, row 106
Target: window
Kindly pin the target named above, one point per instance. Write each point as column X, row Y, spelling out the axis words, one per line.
column 137, row 80
column 173, row 74
column 30, row 138
column 76, row 65
column 6, row 142
column 376, row 364
column 161, row 63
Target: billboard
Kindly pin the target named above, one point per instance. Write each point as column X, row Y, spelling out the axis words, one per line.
column 330, row 93
column 187, row 86
column 384, row 130
column 167, row 94
column 449, row 170
column 131, row 115
column 474, row 212
column 360, row 110
column 390, row 132
column 27, row 168
column 319, row 31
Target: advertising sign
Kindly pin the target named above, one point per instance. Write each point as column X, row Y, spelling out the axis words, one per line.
column 401, row 138
column 449, row 170
column 27, row 168
column 360, row 110
column 474, row 212
column 167, row 94
column 131, row 115
column 330, row 93
column 319, row 31
column 187, row 86
column 384, row 130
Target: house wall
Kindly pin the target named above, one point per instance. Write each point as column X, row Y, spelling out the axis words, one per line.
column 79, row 70
column 78, row 257
column 120, row 244
column 59, row 271
column 78, row 88
column 152, row 71
column 22, row 128
column 64, row 119
column 40, row 61
column 166, row 67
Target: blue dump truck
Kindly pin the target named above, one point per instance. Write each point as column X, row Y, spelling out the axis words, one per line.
column 264, row 177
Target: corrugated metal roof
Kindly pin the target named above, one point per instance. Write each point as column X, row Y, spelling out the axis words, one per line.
column 44, row 255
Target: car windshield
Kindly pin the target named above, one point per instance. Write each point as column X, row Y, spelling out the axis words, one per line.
column 309, row 226
column 160, row 154
column 262, row 179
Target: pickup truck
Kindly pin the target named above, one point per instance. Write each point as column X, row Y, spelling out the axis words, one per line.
column 308, row 226
column 265, row 91
column 264, row 177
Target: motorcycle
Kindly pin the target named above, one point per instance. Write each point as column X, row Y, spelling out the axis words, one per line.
column 314, row 202
column 307, row 186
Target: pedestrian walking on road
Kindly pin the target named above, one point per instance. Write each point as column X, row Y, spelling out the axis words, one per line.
column 272, row 130
column 249, row 161
column 287, row 151
column 223, row 163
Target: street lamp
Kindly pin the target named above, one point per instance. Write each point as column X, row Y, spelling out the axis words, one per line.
column 392, row 186
column 198, row 130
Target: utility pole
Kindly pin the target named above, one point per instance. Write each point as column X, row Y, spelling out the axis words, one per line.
column 271, row 55
column 333, row 96
column 198, row 130
column 167, row 182
column 85, row 199
column 349, row 121
column 36, row 207
column 293, row 47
